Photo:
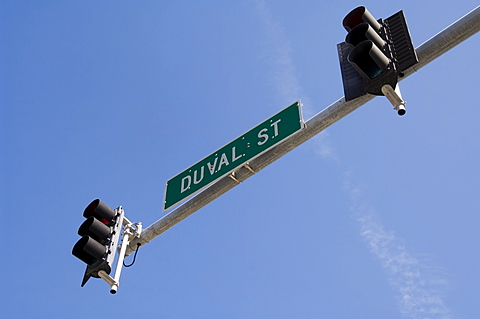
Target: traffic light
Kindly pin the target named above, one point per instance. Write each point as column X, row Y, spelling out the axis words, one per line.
column 374, row 55
column 100, row 237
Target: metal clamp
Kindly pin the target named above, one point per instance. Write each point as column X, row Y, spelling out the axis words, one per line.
column 247, row 166
column 233, row 176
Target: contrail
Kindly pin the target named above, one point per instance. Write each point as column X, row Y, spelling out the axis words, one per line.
column 278, row 50
column 418, row 294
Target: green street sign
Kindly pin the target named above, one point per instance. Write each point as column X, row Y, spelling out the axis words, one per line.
column 233, row 155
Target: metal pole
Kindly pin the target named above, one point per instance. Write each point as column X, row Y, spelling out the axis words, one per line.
column 121, row 257
column 427, row 52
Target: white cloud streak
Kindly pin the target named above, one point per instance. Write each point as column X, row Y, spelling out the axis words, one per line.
column 323, row 147
column 278, row 51
column 418, row 291
column 418, row 294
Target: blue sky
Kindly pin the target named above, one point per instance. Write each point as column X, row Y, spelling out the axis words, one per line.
column 376, row 217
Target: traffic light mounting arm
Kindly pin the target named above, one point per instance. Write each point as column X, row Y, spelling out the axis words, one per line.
column 130, row 231
column 395, row 97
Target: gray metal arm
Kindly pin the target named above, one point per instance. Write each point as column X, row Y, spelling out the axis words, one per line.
column 450, row 37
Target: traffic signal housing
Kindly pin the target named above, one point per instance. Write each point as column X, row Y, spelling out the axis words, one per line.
column 375, row 53
column 100, row 237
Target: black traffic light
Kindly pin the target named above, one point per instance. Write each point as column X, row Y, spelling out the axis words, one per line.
column 375, row 53
column 100, row 236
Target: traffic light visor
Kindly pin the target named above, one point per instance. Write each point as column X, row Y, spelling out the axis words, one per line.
column 357, row 16
column 99, row 210
column 363, row 32
column 368, row 59
column 96, row 229
column 88, row 250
